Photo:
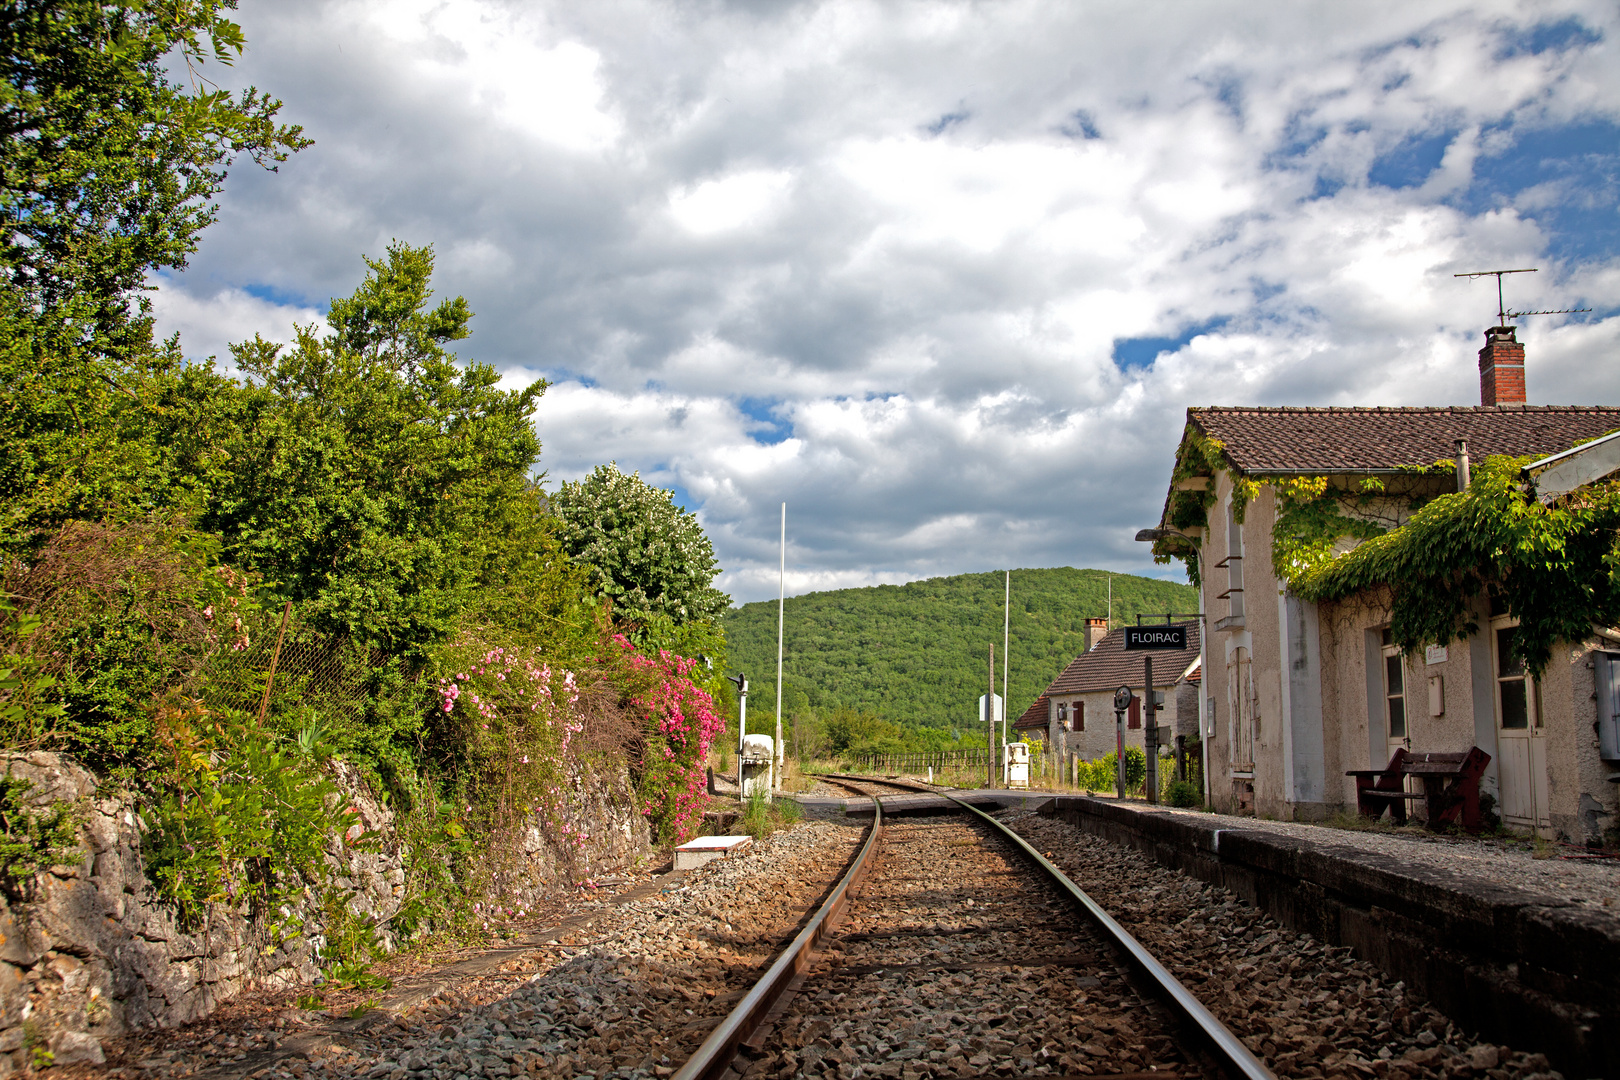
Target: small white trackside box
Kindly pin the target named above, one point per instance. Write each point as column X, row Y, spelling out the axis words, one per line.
column 694, row 853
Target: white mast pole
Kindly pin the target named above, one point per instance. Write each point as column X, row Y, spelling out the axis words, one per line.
column 781, row 599
column 1006, row 638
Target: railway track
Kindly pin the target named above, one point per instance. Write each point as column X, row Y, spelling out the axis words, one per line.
column 951, row 948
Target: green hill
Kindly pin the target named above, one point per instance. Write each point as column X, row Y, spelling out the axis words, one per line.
column 915, row 653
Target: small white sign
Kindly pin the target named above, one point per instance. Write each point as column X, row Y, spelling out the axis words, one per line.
column 1434, row 654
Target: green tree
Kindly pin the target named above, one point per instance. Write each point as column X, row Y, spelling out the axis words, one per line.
column 647, row 555
column 369, row 476
column 107, row 169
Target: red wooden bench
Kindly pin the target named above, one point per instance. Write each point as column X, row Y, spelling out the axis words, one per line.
column 1450, row 787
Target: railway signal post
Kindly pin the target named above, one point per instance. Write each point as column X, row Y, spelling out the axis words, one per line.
column 1122, row 702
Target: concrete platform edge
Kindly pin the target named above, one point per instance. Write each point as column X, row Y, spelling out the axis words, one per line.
column 1517, row 966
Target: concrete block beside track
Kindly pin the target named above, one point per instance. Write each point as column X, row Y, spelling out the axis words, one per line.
column 1516, row 965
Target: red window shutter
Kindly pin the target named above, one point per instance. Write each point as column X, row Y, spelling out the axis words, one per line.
column 1079, row 716
column 1135, row 718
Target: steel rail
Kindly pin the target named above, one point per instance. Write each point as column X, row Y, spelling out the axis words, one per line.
column 1216, row 1036
column 714, row 1057
column 1228, row 1049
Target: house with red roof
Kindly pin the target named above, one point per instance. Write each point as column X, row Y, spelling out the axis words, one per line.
column 1074, row 715
column 1295, row 692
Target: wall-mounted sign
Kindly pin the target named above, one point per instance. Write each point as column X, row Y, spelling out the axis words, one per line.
column 1434, row 654
column 1155, row 637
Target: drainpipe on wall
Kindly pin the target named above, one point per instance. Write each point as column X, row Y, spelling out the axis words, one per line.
column 1464, row 477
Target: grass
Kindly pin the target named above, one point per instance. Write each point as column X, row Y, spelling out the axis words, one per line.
column 762, row 816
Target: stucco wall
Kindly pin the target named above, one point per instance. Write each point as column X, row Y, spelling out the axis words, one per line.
column 1098, row 739
column 1585, row 804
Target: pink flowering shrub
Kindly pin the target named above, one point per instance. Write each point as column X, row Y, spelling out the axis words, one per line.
column 517, row 718
column 679, row 722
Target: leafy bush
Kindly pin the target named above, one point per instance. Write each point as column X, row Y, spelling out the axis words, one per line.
column 1184, row 794
column 123, row 613
column 27, row 708
column 239, row 817
column 1100, row 775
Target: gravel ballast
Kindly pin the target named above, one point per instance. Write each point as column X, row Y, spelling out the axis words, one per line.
column 1309, row 1010
column 630, row 995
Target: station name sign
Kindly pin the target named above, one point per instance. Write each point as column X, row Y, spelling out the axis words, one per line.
column 1155, row 637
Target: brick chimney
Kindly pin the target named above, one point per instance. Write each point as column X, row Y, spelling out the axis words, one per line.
column 1501, row 368
column 1096, row 630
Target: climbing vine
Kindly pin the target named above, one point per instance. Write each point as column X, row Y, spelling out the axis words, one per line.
column 1312, row 521
column 1554, row 568
column 1314, row 516
column 1197, row 456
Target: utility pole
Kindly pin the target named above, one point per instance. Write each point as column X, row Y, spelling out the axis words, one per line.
column 781, row 597
column 990, row 726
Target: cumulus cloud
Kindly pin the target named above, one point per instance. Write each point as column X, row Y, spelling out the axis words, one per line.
column 942, row 276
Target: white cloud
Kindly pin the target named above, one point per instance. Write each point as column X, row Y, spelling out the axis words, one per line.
column 208, row 325
column 500, row 63
column 869, row 258
column 729, row 203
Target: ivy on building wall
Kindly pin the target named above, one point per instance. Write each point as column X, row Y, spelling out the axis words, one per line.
column 1197, row 456
column 1312, row 521
column 1554, row 568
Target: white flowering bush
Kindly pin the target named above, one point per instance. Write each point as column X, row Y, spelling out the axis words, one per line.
column 647, row 555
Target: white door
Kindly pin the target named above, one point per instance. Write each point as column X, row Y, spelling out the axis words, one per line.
column 1397, row 732
column 1521, row 736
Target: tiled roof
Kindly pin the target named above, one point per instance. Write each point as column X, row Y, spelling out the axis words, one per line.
column 1034, row 717
column 1107, row 666
column 1285, row 439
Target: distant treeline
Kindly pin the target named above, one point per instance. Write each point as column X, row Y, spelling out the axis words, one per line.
column 915, row 655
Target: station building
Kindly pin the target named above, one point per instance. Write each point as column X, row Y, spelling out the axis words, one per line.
column 1296, row 693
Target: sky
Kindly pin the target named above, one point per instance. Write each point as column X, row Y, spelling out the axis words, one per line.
column 942, row 276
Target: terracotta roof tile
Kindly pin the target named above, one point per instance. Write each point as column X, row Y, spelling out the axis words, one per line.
column 1286, row 439
column 1034, row 717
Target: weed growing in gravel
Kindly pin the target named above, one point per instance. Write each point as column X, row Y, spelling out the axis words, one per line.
column 761, row 816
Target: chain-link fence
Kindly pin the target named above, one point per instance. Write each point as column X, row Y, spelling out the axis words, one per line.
column 312, row 677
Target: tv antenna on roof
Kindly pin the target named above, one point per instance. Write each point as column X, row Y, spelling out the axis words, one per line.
column 1502, row 312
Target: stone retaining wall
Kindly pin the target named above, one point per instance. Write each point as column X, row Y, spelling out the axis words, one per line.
column 91, row 951
column 1517, row 966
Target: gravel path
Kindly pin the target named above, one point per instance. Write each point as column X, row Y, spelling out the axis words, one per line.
column 1558, row 870
column 1308, row 1009
column 629, row 995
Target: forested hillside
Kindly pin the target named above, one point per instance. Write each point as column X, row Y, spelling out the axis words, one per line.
column 915, row 653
